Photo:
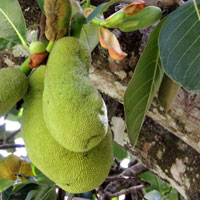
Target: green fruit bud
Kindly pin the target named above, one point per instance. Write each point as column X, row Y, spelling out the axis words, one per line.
column 37, row 47
column 114, row 20
column 142, row 19
column 14, row 85
column 72, row 171
column 74, row 111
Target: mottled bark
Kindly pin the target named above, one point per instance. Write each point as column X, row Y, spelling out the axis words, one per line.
column 183, row 119
column 169, row 143
column 164, row 154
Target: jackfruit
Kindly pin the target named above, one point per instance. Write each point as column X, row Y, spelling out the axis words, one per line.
column 13, row 87
column 13, row 165
column 74, row 111
column 58, row 16
column 37, row 47
column 72, row 171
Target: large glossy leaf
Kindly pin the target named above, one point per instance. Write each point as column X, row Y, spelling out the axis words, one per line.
column 143, row 86
column 4, row 184
column 179, row 44
column 12, row 23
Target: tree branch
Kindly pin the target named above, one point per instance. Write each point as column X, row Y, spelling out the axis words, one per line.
column 6, row 140
column 10, row 146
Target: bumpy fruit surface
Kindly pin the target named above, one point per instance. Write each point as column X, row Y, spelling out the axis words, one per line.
column 73, row 110
column 74, row 172
column 13, row 87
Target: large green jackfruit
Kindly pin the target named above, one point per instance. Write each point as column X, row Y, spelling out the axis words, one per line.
column 72, row 171
column 13, row 87
column 73, row 109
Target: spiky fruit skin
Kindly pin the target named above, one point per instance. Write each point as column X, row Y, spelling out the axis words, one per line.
column 13, row 87
column 72, row 171
column 74, row 111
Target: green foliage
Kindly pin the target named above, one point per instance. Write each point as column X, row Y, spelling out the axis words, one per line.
column 90, row 35
column 41, row 4
column 30, row 190
column 142, row 19
column 100, row 9
column 4, row 184
column 158, row 190
column 13, row 29
column 179, row 43
column 143, row 86
column 119, row 152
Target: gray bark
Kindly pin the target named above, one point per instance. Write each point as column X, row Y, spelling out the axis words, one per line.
column 170, row 144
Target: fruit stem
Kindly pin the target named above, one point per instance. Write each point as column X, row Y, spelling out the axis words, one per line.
column 88, row 4
column 49, row 46
column 24, row 66
column 167, row 92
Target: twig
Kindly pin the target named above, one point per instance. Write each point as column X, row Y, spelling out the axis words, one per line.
column 10, row 146
column 119, row 178
column 61, row 194
column 129, row 190
column 6, row 140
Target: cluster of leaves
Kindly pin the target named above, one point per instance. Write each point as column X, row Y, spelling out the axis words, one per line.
column 172, row 50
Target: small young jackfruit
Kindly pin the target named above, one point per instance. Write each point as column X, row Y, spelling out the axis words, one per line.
column 74, row 172
column 58, row 16
column 13, row 87
column 73, row 109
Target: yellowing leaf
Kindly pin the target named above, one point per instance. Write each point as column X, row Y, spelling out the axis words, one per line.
column 9, row 166
column 12, row 165
column 134, row 7
column 25, row 169
column 110, row 42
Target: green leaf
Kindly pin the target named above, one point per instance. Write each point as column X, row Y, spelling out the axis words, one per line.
column 12, row 23
column 5, row 44
column 90, row 35
column 100, row 9
column 153, row 195
column 5, row 183
column 156, row 183
column 143, row 86
column 179, row 43
column 142, row 19
column 5, row 195
column 119, row 152
column 76, row 25
column 41, row 4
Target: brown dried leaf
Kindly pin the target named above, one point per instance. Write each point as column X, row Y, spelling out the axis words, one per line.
column 110, row 42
